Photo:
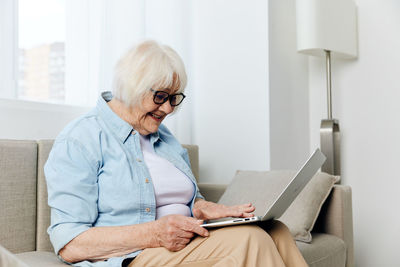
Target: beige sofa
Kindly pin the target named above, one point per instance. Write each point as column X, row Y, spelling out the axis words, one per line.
column 25, row 216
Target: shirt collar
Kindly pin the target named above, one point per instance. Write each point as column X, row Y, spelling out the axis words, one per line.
column 121, row 128
column 154, row 137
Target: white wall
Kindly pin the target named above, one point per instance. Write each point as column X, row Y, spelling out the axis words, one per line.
column 288, row 90
column 366, row 97
column 31, row 120
column 231, row 114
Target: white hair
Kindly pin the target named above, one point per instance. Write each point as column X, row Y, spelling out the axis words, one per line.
column 145, row 66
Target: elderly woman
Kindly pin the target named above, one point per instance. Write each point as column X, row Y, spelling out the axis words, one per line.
column 121, row 190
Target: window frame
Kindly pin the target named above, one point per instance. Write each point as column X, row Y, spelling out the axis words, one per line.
column 9, row 63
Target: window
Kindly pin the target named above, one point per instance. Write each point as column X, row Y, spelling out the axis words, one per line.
column 41, row 50
column 64, row 51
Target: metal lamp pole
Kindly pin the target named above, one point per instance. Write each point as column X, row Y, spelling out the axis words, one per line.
column 330, row 132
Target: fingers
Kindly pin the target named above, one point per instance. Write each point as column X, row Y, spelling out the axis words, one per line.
column 197, row 213
column 244, row 210
column 185, row 226
column 208, row 210
column 248, row 210
column 185, row 234
column 174, row 232
column 247, row 207
column 193, row 225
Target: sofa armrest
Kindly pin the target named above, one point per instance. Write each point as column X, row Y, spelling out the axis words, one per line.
column 336, row 218
column 212, row 192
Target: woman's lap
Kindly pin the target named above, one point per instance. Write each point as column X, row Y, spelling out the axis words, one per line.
column 228, row 244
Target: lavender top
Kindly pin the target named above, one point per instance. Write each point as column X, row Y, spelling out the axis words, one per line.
column 173, row 189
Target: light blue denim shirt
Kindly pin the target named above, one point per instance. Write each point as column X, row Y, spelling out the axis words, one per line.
column 96, row 176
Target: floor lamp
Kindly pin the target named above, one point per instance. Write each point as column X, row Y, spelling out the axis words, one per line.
column 328, row 28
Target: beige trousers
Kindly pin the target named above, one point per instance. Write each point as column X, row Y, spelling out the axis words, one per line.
column 244, row 245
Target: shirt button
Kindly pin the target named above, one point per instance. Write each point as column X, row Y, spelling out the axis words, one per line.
column 133, row 132
column 147, row 209
column 147, row 180
column 138, row 160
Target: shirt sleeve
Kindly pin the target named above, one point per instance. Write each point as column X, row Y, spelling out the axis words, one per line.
column 71, row 175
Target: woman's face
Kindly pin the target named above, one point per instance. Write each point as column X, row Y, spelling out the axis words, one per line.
column 148, row 116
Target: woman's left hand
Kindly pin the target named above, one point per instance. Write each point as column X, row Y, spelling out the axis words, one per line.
column 205, row 210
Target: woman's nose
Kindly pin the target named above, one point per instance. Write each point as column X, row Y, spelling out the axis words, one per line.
column 166, row 107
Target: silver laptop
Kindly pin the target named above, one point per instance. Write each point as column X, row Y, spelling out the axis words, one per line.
column 285, row 198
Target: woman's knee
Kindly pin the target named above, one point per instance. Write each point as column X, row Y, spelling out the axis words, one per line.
column 279, row 226
column 277, row 230
column 274, row 225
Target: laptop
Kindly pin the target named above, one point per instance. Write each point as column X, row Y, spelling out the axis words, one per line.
column 285, row 198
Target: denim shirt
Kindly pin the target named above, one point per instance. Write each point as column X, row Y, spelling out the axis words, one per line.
column 96, row 176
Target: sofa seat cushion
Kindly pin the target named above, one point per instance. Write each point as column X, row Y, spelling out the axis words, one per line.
column 325, row 250
column 40, row 259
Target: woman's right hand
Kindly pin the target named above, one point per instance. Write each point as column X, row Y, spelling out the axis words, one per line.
column 174, row 232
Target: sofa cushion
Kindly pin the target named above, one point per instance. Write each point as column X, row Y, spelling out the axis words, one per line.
column 324, row 251
column 9, row 259
column 18, row 195
column 301, row 216
column 40, row 259
column 262, row 188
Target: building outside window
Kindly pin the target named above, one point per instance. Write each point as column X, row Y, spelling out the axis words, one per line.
column 41, row 50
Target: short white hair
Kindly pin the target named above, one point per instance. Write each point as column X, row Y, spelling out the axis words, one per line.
column 145, row 66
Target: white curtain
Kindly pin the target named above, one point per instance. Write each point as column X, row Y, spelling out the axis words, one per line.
column 170, row 23
column 100, row 31
column 8, row 48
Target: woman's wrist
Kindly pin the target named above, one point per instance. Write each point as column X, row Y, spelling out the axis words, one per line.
column 151, row 234
column 201, row 203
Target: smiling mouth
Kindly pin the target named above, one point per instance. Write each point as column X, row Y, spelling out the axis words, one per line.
column 156, row 117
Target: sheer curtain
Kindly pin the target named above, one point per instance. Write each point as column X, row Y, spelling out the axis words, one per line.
column 170, row 23
column 8, row 48
column 100, row 31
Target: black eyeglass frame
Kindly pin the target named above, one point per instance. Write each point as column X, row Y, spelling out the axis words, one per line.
column 169, row 97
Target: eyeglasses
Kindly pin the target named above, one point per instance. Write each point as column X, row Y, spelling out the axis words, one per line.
column 160, row 97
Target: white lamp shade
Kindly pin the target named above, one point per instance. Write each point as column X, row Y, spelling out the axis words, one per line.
column 327, row 25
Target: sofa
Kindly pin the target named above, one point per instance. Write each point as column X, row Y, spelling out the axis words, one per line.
column 25, row 215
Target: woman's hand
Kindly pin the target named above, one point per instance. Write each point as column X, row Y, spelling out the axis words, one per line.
column 174, row 232
column 206, row 210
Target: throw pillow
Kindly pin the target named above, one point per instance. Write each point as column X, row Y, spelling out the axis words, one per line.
column 261, row 188
column 301, row 216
